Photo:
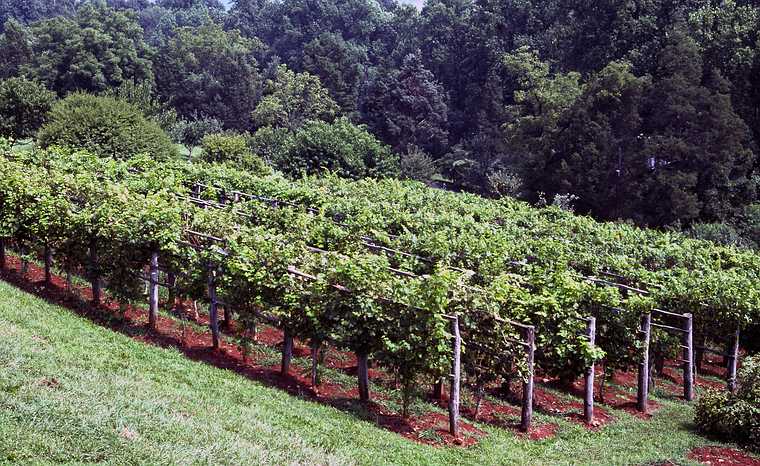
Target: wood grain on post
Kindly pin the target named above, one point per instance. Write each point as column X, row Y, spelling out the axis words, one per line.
column 733, row 360
column 588, row 401
column 287, row 352
column 527, row 398
column 153, row 292
column 362, row 372
column 213, row 308
column 642, row 396
column 95, row 278
column 455, row 379
column 688, row 358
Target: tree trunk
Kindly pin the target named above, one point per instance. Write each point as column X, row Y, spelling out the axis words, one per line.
column 287, row 353
column 314, row 365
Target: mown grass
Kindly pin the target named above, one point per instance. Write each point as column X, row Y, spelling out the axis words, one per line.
column 74, row 392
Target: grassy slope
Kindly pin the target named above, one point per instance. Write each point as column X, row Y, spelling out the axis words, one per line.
column 71, row 391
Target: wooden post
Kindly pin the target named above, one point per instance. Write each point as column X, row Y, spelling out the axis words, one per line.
column 171, row 280
column 287, row 352
column 95, row 278
column 153, row 292
column 48, row 265
column 2, row 255
column 643, row 392
column 213, row 307
column 455, row 379
column 438, row 389
column 314, row 364
column 733, row 361
column 688, row 358
column 588, row 402
column 362, row 372
column 527, row 398
column 227, row 317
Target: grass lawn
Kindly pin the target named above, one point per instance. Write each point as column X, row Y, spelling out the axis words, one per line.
column 74, row 392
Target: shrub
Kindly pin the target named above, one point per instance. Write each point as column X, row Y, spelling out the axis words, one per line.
column 719, row 233
column 105, row 126
column 232, row 148
column 341, row 147
column 190, row 133
column 24, row 105
column 416, row 164
column 734, row 416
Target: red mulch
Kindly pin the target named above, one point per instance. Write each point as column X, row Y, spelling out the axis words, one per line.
column 722, row 456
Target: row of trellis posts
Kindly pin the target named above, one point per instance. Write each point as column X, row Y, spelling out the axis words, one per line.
column 528, row 334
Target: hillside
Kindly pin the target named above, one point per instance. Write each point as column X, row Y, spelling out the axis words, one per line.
column 73, row 391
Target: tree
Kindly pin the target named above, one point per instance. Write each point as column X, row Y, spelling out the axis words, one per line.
column 105, row 126
column 234, row 149
column 24, row 106
column 191, row 132
column 95, row 50
column 291, row 99
column 210, row 71
column 339, row 147
column 339, row 65
column 29, row 11
column 408, row 108
column 697, row 146
column 15, row 48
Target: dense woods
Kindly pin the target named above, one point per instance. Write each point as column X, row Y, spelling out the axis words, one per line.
column 646, row 111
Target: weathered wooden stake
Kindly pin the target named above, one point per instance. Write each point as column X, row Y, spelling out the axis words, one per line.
column 48, row 265
column 2, row 255
column 171, row 280
column 527, row 401
column 455, row 379
column 643, row 392
column 287, row 352
column 733, row 361
column 314, row 364
column 95, row 278
column 227, row 317
column 153, row 292
column 588, row 402
column 438, row 389
column 213, row 308
column 362, row 372
column 688, row 358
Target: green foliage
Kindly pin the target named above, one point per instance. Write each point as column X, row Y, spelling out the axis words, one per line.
column 15, row 48
column 105, row 126
column 415, row 164
column 190, row 133
column 24, row 106
column 291, row 99
column 734, row 416
column 340, row 147
column 209, row 71
column 407, row 107
column 720, row 233
column 232, row 148
column 95, row 50
column 142, row 95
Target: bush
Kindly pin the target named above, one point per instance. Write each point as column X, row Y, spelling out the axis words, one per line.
column 734, row 416
column 340, row 147
column 416, row 164
column 719, row 233
column 105, row 126
column 24, row 105
column 232, row 148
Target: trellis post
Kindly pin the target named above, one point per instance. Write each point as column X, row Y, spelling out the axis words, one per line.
column 287, row 352
column 95, row 278
column 213, row 308
column 48, row 259
column 527, row 401
column 733, row 360
column 153, row 292
column 362, row 372
column 688, row 358
column 455, row 379
column 588, row 402
column 2, row 255
column 643, row 389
